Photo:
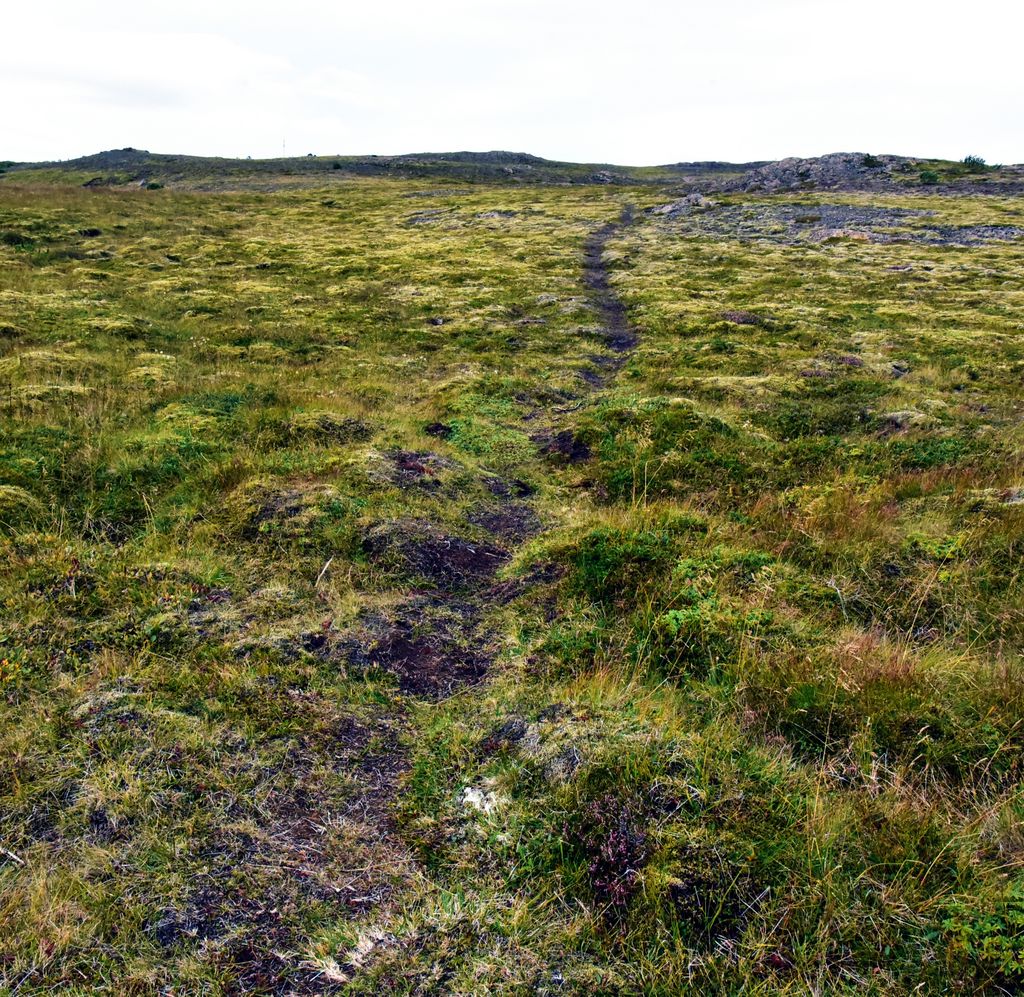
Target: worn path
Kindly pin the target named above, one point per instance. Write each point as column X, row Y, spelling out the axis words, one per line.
column 436, row 642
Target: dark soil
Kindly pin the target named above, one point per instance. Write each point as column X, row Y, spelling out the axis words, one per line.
column 615, row 328
column 432, row 666
column 502, row 488
column 439, row 429
column 449, row 563
column 564, row 447
column 417, row 468
column 514, row 521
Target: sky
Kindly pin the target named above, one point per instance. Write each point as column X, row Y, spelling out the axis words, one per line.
column 634, row 83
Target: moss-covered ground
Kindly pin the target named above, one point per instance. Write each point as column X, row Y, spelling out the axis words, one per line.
column 384, row 609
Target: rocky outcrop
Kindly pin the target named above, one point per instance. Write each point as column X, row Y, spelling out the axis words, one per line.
column 836, row 171
column 684, row 206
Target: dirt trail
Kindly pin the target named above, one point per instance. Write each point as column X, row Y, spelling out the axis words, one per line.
column 436, row 642
column 451, row 650
column 615, row 328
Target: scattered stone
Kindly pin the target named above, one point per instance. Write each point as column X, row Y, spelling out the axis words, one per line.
column 427, row 217
column 792, row 224
column 836, row 234
column 904, row 419
column 835, row 171
column 685, row 206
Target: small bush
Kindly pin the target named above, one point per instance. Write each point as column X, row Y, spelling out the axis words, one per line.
column 929, row 177
column 608, row 837
column 613, row 564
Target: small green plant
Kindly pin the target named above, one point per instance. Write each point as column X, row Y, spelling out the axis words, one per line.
column 929, row 177
column 9, row 671
column 975, row 164
column 992, row 936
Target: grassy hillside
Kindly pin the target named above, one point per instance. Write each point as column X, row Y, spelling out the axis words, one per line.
column 127, row 166
column 511, row 589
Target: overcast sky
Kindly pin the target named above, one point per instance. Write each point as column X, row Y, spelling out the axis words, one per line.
column 641, row 82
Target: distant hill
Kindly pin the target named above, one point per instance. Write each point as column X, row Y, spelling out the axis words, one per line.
column 835, row 171
column 125, row 166
column 121, row 166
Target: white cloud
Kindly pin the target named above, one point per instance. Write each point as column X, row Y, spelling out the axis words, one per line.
column 655, row 81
